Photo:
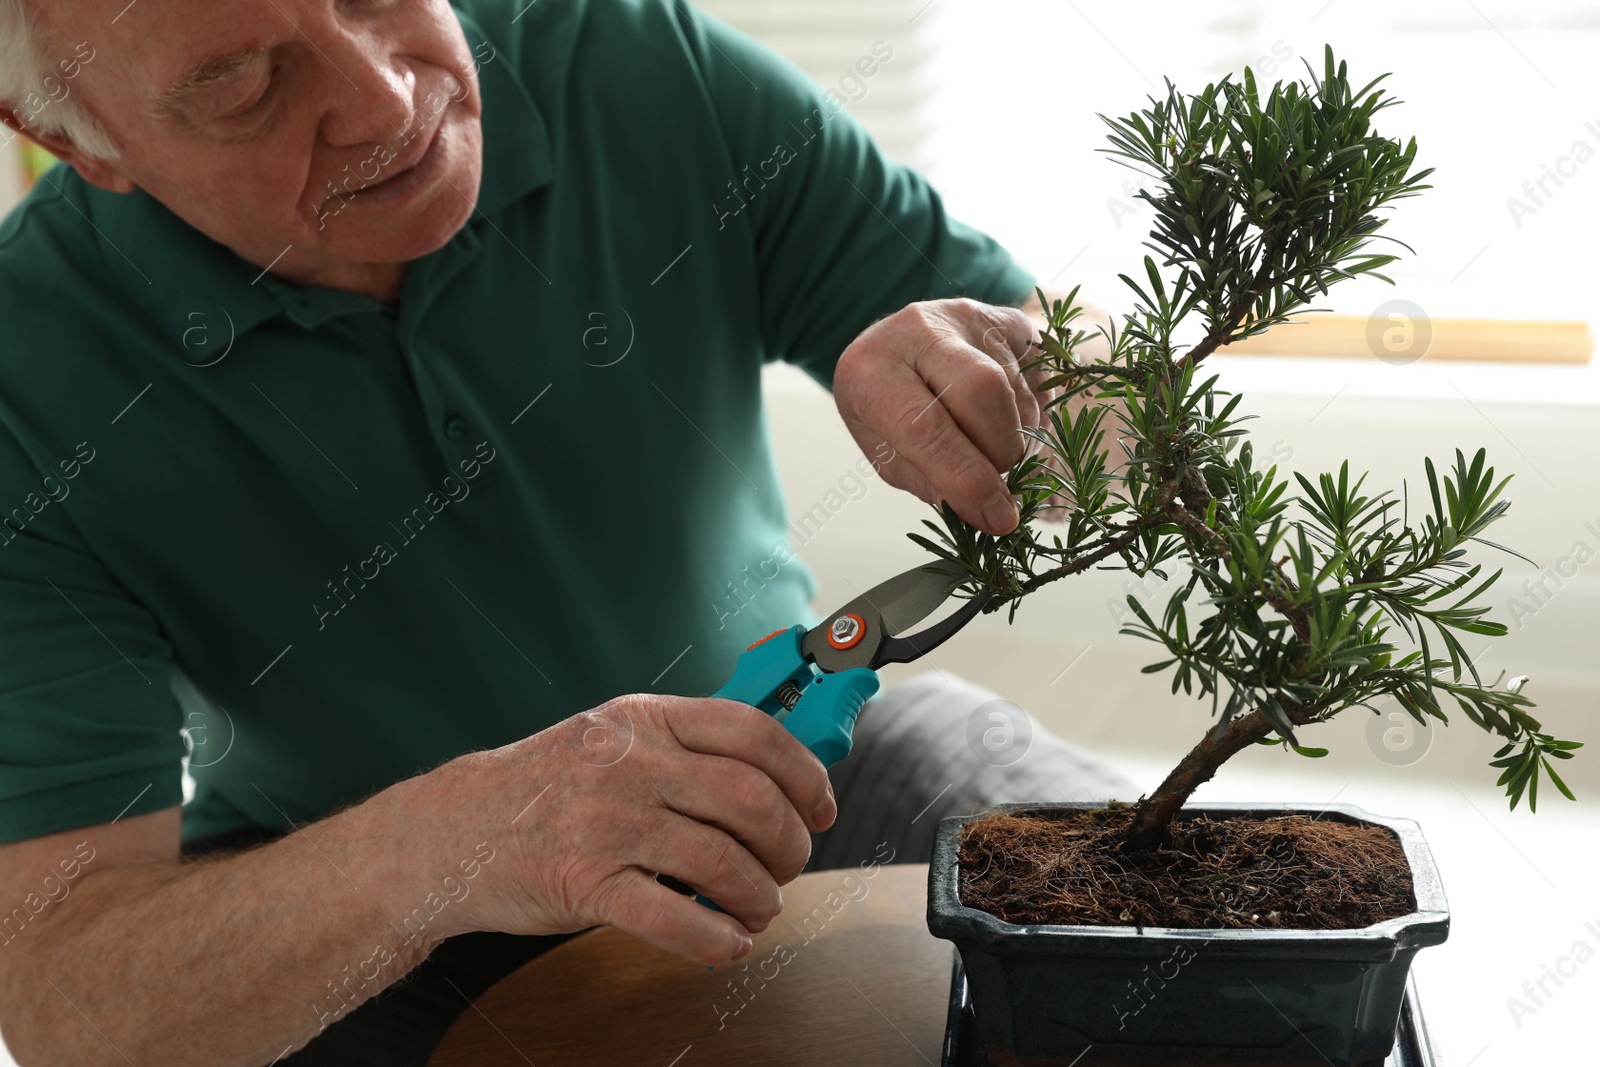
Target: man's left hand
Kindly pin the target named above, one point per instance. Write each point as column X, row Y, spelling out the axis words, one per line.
column 940, row 383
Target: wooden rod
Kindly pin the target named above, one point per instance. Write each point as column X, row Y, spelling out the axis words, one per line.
column 1402, row 340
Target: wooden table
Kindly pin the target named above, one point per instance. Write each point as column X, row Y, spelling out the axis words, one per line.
column 847, row 974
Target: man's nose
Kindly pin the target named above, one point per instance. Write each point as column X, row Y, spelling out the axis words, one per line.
column 373, row 94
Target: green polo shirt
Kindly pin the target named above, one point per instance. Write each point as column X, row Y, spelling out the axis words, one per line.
column 325, row 544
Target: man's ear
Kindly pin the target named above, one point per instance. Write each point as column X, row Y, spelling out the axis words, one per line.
column 99, row 172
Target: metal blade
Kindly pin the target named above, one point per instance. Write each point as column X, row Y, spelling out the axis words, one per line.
column 888, row 610
column 908, row 598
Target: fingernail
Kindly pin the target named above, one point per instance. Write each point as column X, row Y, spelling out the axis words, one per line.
column 1000, row 513
column 826, row 812
column 745, row 945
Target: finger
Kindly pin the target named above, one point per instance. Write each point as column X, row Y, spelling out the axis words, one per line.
column 1035, row 372
column 974, row 390
column 1036, row 375
column 1007, row 338
column 634, row 902
column 994, row 344
column 895, row 470
column 902, row 474
column 716, row 727
column 714, row 864
column 927, row 435
column 889, row 465
column 746, row 805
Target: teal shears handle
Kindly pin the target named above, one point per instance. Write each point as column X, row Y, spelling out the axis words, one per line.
column 819, row 708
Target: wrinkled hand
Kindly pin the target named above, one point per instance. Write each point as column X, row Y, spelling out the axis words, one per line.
column 940, row 384
column 712, row 792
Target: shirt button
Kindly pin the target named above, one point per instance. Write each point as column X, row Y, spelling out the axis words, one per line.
column 455, row 427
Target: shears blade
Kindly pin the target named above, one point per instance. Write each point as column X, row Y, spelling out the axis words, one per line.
column 870, row 631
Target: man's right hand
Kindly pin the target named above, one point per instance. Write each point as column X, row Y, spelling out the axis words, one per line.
column 583, row 815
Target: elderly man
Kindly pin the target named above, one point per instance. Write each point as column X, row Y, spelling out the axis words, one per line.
column 308, row 447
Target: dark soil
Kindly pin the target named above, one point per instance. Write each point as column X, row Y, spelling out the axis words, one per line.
column 1289, row 872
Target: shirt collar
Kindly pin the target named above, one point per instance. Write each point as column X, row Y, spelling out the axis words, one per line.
column 183, row 278
column 517, row 156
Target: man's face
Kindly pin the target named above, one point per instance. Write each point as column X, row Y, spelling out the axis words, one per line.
column 340, row 132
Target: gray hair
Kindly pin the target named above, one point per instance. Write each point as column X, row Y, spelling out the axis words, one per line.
column 24, row 69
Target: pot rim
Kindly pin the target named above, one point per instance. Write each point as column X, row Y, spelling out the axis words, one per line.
column 1429, row 924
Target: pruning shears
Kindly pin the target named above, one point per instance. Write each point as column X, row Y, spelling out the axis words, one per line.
column 815, row 681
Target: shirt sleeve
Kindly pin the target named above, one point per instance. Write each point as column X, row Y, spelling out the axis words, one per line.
column 89, row 726
column 843, row 235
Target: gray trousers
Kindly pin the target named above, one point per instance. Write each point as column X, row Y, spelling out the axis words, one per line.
column 936, row 745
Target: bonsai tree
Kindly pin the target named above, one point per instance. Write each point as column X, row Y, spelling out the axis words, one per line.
column 1292, row 604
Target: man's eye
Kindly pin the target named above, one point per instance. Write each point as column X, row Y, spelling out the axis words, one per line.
column 253, row 107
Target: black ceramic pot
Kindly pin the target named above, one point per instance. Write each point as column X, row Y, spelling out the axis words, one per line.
column 1099, row 995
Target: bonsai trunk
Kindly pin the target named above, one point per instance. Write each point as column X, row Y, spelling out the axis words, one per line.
column 1154, row 813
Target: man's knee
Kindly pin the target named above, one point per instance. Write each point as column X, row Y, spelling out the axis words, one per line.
column 972, row 734
column 937, row 745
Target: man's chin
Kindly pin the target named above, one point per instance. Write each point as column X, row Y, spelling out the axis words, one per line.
column 404, row 235
column 364, row 231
